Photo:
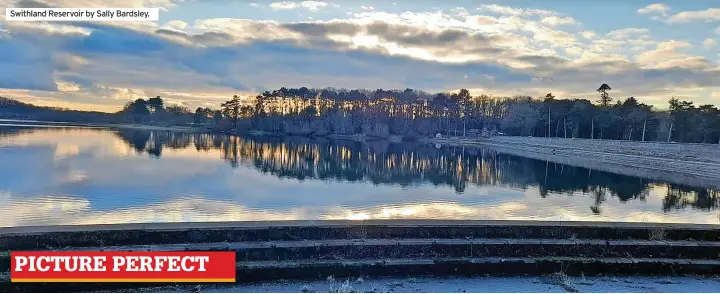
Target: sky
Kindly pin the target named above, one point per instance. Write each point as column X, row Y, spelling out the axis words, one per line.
column 200, row 53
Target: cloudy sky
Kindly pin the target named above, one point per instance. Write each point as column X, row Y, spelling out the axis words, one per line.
column 203, row 52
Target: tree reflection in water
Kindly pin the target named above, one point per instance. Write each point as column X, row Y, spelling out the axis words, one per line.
column 405, row 164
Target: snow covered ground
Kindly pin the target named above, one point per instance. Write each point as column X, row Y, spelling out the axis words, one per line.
column 547, row 284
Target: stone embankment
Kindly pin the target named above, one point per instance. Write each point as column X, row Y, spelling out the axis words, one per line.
column 690, row 164
column 317, row 249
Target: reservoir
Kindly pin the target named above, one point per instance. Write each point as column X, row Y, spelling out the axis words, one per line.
column 71, row 175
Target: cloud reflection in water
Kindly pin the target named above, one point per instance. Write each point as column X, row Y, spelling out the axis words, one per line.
column 78, row 176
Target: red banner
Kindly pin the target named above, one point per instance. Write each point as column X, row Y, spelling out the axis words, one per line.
column 83, row 266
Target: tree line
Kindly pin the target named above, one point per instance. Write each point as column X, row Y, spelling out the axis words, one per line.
column 152, row 111
column 14, row 109
column 413, row 113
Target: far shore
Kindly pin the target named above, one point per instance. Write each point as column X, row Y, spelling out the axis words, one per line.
column 156, row 128
column 36, row 123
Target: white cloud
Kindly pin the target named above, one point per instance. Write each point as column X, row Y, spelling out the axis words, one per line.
column 424, row 36
column 283, row 5
column 606, row 45
column 309, row 5
column 588, row 34
column 513, row 47
column 657, row 8
column 461, row 11
column 99, row 3
column 255, row 5
column 666, row 55
column 178, row 24
column 708, row 15
column 641, row 43
column 507, row 10
column 367, row 7
column 709, row 43
column 624, row 34
column 314, row 5
column 556, row 20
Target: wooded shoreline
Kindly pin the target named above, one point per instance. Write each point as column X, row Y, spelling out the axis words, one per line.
column 412, row 114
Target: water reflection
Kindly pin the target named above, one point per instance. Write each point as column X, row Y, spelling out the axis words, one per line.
column 404, row 164
column 153, row 142
column 170, row 176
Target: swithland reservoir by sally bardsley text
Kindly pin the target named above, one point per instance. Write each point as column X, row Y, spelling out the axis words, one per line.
column 79, row 13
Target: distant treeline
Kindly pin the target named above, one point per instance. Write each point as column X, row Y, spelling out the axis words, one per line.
column 411, row 114
column 13, row 109
column 151, row 112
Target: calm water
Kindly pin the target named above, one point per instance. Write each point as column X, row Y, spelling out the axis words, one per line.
column 88, row 176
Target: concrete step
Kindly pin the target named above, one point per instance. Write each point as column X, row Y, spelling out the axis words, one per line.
column 431, row 248
column 40, row 238
column 315, row 269
column 312, row 269
column 311, row 249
